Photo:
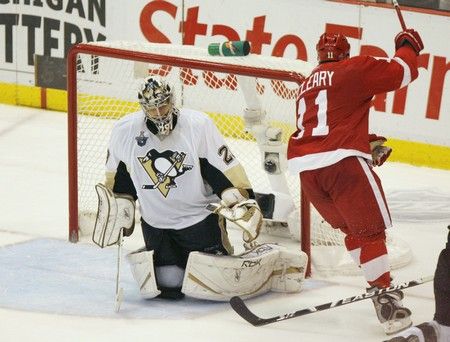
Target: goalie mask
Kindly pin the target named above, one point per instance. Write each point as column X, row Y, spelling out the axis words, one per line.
column 332, row 47
column 157, row 101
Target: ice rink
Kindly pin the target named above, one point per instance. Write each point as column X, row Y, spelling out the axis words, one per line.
column 52, row 290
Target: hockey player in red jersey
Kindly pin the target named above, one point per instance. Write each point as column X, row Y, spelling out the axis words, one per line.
column 334, row 153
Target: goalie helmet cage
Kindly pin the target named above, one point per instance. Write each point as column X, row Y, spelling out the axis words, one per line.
column 103, row 81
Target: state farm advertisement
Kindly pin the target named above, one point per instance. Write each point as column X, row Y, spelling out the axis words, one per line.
column 289, row 28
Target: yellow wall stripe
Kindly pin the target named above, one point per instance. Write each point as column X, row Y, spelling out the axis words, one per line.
column 8, row 93
column 420, row 154
column 57, row 100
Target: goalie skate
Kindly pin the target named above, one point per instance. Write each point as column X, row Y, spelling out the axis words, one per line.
column 393, row 316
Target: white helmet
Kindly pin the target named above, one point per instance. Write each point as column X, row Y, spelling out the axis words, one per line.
column 157, row 101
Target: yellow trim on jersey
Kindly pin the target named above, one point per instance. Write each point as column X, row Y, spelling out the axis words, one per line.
column 109, row 179
column 237, row 176
column 414, row 153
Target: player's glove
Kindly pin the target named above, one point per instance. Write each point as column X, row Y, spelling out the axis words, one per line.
column 232, row 196
column 236, row 208
column 246, row 215
column 379, row 152
column 410, row 37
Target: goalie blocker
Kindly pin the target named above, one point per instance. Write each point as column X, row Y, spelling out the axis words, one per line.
column 115, row 212
column 264, row 268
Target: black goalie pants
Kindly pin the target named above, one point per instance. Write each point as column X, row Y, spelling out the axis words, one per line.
column 172, row 246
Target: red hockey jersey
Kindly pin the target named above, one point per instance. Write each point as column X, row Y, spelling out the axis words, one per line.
column 333, row 107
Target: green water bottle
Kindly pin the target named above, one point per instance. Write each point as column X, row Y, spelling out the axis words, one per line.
column 230, row 48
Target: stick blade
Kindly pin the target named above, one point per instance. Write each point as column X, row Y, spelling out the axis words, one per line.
column 238, row 305
column 118, row 301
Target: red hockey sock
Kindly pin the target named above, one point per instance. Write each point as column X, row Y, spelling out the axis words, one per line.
column 373, row 258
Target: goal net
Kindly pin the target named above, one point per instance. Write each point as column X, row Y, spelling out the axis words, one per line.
column 251, row 100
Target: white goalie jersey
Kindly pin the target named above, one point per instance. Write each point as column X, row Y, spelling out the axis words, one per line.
column 169, row 173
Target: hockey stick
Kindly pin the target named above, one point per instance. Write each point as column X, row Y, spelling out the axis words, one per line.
column 242, row 310
column 399, row 14
column 119, row 290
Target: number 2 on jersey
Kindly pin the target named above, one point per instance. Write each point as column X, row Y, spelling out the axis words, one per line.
column 322, row 128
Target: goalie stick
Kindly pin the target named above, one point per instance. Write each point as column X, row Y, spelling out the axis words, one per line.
column 242, row 309
column 119, row 290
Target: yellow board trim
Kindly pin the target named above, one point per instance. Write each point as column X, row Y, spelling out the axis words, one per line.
column 419, row 154
column 57, row 100
column 414, row 153
column 8, row 93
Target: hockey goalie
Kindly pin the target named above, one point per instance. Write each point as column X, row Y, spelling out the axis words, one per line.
column 259, row 269
column 190, row 188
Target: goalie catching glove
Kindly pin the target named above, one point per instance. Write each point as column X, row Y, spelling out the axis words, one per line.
column 115, row 212
column 236, row 208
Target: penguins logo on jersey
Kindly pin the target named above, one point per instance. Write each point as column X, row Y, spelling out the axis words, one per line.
column 163, row 168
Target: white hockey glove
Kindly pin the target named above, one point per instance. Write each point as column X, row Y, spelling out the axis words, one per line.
column 115, row 212
column 233, row 196
column 246, row 215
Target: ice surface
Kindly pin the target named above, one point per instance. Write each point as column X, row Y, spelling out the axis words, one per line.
column 52, row 290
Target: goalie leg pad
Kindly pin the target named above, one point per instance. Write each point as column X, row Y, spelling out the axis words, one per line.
column 266, row 267
column 219, row 278
column 289, row 271
column 141, row 262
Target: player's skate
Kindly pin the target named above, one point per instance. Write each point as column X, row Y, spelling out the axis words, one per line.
column 390, row 311
column 428, row 332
